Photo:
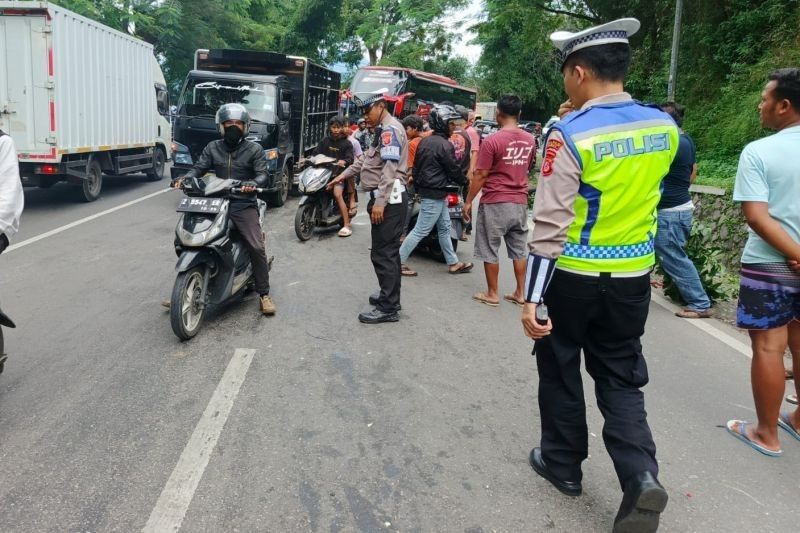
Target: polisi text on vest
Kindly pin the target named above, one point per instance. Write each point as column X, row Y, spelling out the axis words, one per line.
column 620, row 148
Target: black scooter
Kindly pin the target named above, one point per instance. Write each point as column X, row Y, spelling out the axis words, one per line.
column 455, row 207
column 317, row 207
column 213, row 264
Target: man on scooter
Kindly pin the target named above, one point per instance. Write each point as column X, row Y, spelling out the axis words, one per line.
column 11, row 198
column 337, row 146
column 234, row 157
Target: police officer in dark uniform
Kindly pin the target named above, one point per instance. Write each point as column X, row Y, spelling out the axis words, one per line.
column 383, row 176
column 590, row 260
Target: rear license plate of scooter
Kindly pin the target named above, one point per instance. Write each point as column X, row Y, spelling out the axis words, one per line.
column 455, row 212
column 200, row 205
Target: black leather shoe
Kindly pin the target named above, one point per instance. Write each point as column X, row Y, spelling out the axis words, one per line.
column 570, row 488
column 375, row 298
column 376, row 316
column 644, row 501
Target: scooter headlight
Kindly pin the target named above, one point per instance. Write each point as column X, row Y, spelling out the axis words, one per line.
column 314, row 179
column 204, row 233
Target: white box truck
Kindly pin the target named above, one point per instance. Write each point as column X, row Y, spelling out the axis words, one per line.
column 79, row 99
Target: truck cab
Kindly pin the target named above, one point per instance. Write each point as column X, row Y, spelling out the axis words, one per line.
column 267, row 100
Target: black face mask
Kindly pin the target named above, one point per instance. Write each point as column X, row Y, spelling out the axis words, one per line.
column 233, row 136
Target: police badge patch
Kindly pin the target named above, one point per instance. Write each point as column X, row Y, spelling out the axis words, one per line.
column 390, row 145
column 550, row 152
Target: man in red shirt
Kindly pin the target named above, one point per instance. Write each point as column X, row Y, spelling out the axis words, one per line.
column 501, row 174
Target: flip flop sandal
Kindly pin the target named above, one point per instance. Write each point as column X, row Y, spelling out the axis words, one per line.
column 345, row 232
column 510, row 298
column 741, row 434
column 481, row 297
column 785, row 423
column 405, row 271
column 463, row 269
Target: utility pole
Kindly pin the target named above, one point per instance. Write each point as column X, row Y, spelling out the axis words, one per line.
column 676, row 39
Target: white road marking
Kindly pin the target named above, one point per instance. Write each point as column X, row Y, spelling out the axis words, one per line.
column 174, row 501
column 705, row 325
column 71, row 225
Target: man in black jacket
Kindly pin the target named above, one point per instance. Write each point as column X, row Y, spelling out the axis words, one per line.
column 435, row 167
column 338, row 146
column 234, row 157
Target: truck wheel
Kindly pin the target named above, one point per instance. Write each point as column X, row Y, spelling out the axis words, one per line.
column 186, row 311
column 278, row 198
column 159, row 162
column 93, row 183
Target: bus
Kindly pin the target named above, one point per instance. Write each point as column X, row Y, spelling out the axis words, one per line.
column 408, row 91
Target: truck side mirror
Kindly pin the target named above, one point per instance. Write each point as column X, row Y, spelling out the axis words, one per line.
column 162, row 100
column 286, row 110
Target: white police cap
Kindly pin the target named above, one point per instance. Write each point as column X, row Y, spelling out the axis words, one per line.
column 616, row 31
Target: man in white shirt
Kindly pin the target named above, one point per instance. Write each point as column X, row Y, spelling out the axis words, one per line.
column 11, row 199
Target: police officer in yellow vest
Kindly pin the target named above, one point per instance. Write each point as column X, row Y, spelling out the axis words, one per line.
column 589, row 263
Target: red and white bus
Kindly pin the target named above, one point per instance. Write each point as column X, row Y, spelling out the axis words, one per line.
column 410, row 91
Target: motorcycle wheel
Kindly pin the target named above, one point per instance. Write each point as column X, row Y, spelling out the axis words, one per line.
column 2, row 353
column 436, row 250
column 305, row 221
column 187, row 311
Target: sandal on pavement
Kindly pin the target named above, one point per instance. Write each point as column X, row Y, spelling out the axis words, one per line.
column 690, row 313
column 463, row 269
column 785, row 422
column 345, row 232
column 510, row 298
column 406, row 271
column 741, row 434
column 792, row 398
column 481, row 297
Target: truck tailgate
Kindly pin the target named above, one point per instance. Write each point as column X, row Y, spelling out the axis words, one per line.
column 26, row 111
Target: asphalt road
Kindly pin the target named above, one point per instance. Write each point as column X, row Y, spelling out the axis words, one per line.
column 310, row 421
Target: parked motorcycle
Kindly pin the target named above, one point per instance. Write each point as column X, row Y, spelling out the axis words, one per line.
column 7, row 322
column 455, row 207
column 213, row 263
column 317, row 207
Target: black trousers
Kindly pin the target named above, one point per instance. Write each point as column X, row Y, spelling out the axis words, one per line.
column 246, row 223
column 385, row 253
column 604, row 317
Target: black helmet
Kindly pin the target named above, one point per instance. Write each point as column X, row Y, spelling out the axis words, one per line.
column 441, row 116
column 232, row 112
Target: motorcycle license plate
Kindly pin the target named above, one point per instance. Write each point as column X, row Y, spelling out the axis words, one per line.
column 200, row 205
column 455, row 212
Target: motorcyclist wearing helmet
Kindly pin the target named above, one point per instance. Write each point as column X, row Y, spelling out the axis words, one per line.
column 435, row 167
column 234, row 157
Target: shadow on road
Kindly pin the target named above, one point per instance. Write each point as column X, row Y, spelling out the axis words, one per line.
column 66, row 194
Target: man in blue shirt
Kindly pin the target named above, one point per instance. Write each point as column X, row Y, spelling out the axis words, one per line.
column 768, row 186
column 675, row 224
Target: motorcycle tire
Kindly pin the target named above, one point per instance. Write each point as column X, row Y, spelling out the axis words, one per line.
column 437, row 253
column 2, row 353
column 186, row 312
column 305, row 221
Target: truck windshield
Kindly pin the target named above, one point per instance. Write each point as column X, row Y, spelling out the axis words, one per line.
column 377, row 81
column 203, row 97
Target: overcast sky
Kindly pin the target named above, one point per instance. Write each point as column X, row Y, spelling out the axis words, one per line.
column 464, row 19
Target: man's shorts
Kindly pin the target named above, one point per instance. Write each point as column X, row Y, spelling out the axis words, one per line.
column 501, row 221
column 769, row 296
